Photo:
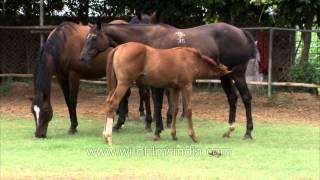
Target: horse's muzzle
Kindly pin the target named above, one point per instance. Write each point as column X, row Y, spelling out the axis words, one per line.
column 41, row 133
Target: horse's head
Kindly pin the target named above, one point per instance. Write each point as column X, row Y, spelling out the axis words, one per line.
column 142, row 18
column 96, row 42
column 42, row 112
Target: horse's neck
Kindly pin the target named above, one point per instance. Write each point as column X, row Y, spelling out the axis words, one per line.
column 134, row 33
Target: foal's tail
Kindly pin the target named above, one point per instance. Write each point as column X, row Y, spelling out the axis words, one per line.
column 111, row 76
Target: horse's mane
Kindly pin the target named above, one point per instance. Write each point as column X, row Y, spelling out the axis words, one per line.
column 52, row 48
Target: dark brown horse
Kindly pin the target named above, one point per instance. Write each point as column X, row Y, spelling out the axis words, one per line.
column 231, row 45
column 60, row 57
column 174, row 68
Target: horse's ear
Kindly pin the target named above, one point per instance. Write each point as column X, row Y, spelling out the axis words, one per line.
column 139, row 15
column 99, row 25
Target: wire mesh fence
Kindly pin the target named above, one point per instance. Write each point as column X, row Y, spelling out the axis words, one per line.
column 280, row 49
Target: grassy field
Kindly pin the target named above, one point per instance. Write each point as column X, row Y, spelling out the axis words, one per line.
column 280, row 151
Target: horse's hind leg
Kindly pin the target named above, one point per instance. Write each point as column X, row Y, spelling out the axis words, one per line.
column 175, row 109
column 170, row 108
column 157, row 96
column 111, row 106
column 122, row 110
column 146, row 97
column 231, row 94
column 186, row 94
column 141, row 106
column 242, row 86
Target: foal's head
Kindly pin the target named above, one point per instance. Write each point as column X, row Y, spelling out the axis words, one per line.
column 96, row 42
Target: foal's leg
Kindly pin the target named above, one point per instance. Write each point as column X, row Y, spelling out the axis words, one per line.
column 175, row 109
column 157, row 96
column 111, row 106
column 246, row 97
column 232, row 96
column 186, row 93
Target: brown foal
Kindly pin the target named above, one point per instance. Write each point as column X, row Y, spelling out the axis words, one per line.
column 174, row 68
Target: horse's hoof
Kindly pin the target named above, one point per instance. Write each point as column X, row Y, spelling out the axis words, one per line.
column 115, row 129
column 147, row 129
column 156, row 138
column 174, row 138
column 194, row 138
column 226, row 135
column 72, row 131
column 247, row 136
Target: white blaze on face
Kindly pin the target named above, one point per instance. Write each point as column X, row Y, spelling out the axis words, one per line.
column 37, row 111
column 181, row 37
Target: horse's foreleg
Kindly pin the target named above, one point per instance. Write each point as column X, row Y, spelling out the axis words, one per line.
column 157, row 96
column 246, row 97
column 74, row 81
column 175, row 108
column 123, row 111
column 111, row 106
column 71, row 100
column 186, row 94
column 232, row 96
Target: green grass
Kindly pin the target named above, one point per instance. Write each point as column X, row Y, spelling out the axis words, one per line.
column 279, row 151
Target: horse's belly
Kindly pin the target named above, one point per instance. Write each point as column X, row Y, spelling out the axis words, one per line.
column 158, row 81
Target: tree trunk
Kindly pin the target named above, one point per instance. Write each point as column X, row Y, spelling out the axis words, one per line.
column 306, row 36
column 83, row 12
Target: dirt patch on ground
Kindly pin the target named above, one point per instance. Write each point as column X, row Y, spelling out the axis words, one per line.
column 283, row 107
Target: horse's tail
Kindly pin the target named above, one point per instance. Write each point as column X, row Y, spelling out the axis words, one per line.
column 255, row 55
column 254, row 50
column 111, row 76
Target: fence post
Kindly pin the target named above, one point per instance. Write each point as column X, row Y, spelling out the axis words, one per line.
column 41, row 23
column 270, row 62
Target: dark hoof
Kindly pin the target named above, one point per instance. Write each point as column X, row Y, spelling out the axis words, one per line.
column 174, row 138
column 247, row 136
column 156, row 137
column 72, row 131
column 117, row 128
column 147, row 129
column 226, row 135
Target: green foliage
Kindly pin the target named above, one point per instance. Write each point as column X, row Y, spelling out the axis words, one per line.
column 308, row 73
